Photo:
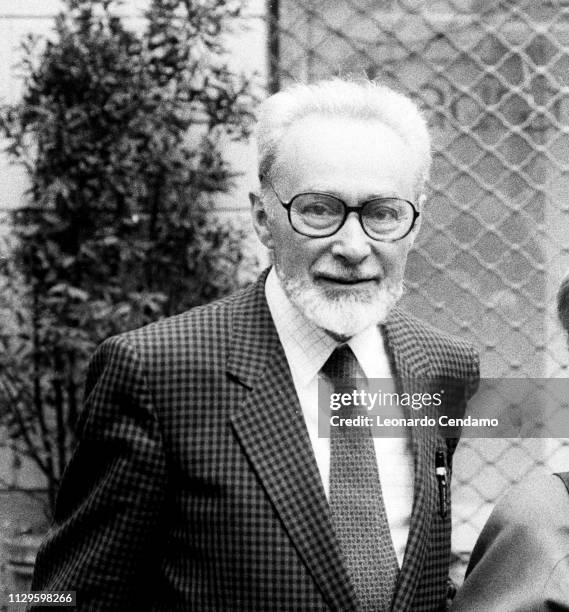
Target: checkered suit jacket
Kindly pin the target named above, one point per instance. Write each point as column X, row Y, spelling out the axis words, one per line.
column 194, row 485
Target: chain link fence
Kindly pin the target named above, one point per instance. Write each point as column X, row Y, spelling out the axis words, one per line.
column 493, row 79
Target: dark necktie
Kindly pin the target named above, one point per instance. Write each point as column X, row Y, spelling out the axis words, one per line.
column 356, row 501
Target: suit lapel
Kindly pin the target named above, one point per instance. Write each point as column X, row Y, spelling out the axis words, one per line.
column 411, row 368
column 271, row 430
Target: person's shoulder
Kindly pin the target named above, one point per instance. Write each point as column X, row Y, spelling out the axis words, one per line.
column 539, row 500
column 433, row 340
column 519, row 561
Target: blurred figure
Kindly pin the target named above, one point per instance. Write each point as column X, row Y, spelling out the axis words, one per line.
column 521, row 559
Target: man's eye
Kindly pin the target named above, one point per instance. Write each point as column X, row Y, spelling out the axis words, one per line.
column 318, row 210
column 383, row 213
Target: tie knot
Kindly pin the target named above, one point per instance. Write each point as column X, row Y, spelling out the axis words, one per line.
column 342, row 365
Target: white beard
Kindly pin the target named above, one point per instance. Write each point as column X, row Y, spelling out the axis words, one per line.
column 342, row 315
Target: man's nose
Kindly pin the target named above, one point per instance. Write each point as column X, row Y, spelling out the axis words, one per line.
column 351, row 242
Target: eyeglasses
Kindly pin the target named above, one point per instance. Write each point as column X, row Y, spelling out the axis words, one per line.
column 319, row 215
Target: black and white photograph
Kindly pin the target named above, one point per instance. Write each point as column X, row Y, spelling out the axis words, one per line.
column 284, row 305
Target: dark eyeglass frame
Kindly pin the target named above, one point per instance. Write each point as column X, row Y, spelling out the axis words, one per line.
column 347, row 210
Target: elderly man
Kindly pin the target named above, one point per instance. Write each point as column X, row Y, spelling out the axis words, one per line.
column 200, row 481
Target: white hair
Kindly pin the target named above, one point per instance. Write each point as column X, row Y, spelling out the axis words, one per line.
column 362, row 100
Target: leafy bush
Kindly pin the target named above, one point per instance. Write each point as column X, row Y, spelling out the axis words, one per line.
column 122, row 136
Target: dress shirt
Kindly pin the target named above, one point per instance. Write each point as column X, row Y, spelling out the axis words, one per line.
column 307, row 348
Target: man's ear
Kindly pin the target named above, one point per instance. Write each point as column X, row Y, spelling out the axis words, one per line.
column 420, row 207
column 260, row 220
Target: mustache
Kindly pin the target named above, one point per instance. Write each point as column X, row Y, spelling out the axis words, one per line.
column 349, row 274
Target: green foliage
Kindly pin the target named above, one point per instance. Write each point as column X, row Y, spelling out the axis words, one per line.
column 122, row 136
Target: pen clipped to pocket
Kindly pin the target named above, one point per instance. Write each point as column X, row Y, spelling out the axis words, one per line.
column 442, row 482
